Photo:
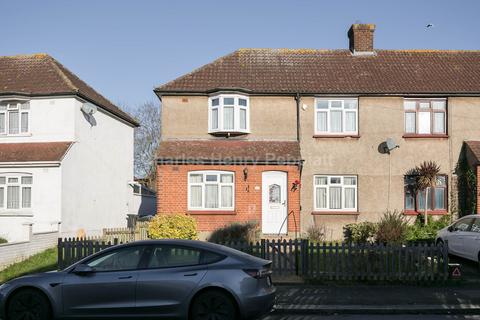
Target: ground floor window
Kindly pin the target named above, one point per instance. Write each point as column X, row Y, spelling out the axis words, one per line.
column 335, row 193
column 211, row 190
column 15, row 192
column 436, row 197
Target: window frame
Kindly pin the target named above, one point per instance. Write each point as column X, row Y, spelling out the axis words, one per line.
column 204, row 174
column 328, row 111
column 19, row 106
column 19, row 176
column 236, row 113
column 328, row 185
column 417, row 209
column 431, row 110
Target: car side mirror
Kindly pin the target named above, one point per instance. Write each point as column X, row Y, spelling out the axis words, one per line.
column 83, row 269
column 450, row 229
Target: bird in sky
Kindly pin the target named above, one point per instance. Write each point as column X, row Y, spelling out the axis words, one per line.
column 430, row 25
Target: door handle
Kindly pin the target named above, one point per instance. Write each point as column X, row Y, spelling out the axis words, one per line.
column 190, row 274
column 125, row 277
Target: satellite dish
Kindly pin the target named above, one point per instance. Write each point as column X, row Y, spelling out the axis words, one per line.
column 89, row 109
column 391, row 144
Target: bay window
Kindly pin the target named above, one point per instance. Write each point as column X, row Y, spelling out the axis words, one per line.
column 211, row 190
column 228, row 114
column 15, row 192
column 335, row 193
column 14, row 117
column 336, row 116
column 425, row 116
column 436, row 197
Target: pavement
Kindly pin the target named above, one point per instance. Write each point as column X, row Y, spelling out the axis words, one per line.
column 357, row 299
column 369, row 317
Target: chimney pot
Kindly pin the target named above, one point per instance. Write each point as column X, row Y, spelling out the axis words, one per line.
column 361, row 38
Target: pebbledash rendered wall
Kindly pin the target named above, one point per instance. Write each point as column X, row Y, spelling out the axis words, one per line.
column 379, row 119
column 172, row 191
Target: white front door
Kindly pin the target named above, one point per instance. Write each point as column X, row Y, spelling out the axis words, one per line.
column 274, row 202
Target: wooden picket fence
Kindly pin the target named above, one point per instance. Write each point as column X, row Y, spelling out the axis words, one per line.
column 315, row 261
column 139, row 232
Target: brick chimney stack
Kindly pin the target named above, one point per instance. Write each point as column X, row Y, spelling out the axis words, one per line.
column 361, row 38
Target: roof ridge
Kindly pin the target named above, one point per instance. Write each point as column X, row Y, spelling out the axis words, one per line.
column 31, row 55
column 197, row 69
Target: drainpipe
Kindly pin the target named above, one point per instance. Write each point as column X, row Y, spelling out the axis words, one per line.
column 298, row 100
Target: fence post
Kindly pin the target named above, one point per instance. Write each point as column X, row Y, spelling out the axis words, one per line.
column 304, row 260
column 59, row 254
column 445, row 260
column 262, row 248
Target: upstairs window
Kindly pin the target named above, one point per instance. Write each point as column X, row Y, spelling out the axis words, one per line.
column 336, row 116
column 228, row 114
column 15, row 192
column 14, row 117
column 211, row 190
column 335, row 193
column 425, row 116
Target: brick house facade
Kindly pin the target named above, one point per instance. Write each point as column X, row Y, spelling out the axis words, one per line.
column 323, row 117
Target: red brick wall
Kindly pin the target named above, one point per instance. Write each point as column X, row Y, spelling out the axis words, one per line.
column 172, row 185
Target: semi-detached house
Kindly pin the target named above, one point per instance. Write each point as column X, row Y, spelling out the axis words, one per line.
column 66, row 152
column 293, row 138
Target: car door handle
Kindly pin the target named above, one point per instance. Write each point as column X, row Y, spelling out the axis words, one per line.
column 190, row 274
column 125, row 277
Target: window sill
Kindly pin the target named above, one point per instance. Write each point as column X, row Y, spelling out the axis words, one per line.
column 425, row 136
column 228, row 133
column 5, row 135
column 15, row 213
column 340, row 213
column 321, row 136
column 433, row 213
column 211, row 212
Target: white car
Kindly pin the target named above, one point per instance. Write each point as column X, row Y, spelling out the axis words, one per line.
column 463, row 237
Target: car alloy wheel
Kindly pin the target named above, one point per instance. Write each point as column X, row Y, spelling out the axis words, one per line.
column 213, row 305
column 28, row 304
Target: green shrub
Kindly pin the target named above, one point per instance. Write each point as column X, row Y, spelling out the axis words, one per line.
column 236, row 232
column 392, row 228
column 421, row 232
column 316, row 233
column 177, row 226
column 3, row 240
column 362, row 232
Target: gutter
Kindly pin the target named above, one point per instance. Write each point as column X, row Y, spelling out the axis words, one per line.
column 168, row 161
column 32, row 164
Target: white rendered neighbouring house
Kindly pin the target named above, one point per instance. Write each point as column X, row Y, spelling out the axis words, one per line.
column 66, row 152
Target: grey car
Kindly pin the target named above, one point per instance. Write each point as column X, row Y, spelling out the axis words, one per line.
column 177, row 279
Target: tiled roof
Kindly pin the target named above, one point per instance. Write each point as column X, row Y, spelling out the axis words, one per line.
column 229, row 151
column 31, row 152
column 336, row 72
column 42, row 75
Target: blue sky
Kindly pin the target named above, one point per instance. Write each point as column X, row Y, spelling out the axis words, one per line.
column 125, row 48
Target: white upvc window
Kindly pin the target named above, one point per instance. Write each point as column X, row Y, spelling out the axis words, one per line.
column 425, row 116
column 211, row 190
column 228, row 113
column 14, row 117
column 335, row 193
column 334, row 116
column 15, row 192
